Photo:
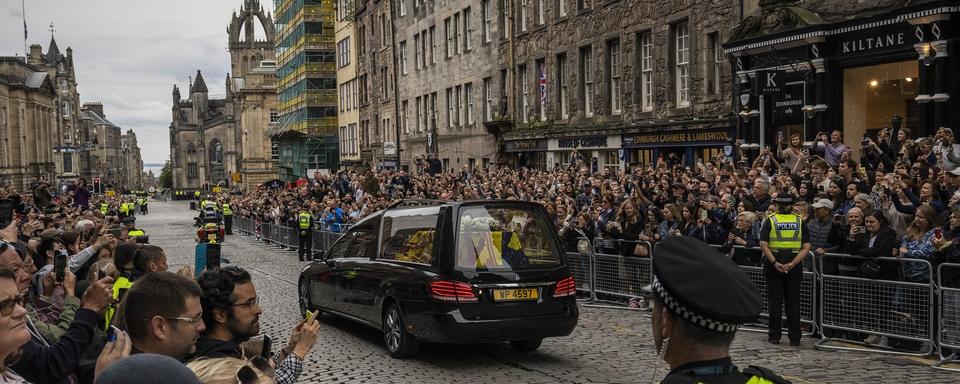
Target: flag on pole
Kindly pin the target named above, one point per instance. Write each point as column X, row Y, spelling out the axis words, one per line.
column 24, row 29
column 543, row 83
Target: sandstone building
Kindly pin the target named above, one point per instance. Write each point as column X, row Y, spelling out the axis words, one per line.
column 28, row 120
column 348, row 118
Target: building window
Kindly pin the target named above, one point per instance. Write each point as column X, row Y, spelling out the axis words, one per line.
column 562, row 86
column 503, row 20
column 485, row 10
column 586, row 73
column 343, row 51
column 541, row 12
column 487, row 99
column 583, row 4
column 615, row 76
column 561, row 8
column 523, row 16
column 403, row 57
column 524, row 94
column 433, row 45
column 361, row 41
column 468, row 100
column 384, row 79
column 405, row 119
column 714, row 57
column 67, row 162
column 192, row 170
column 645, row 65
column 433, row 111
column 403, row 8
column 542, row 89
column 449, row 36
column 417, row 53
column 65, row 108
column 681, row 33
column 467, row 30
column 419, row 114
column 450, row 110
column 383, row 30
column 459, row 93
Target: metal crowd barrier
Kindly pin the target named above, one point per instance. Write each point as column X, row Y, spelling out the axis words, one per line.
column 808, row 290
column 896, row 309
column 620, row 276
column 580, row 262
column 949, row 335
column 266, row 232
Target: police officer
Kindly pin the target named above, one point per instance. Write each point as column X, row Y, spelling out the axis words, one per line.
column 104, row 208
column 134, row 233
column 143, row 205
column 694, row 320
column 305, row 234
column 227, row 218
column 785, row 242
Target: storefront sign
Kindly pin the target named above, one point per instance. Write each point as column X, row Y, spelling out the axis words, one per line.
column 684, row 138
column 525, row 145
column 583, row 142
column 872, row 42
column 788, row 108
column 771, row 82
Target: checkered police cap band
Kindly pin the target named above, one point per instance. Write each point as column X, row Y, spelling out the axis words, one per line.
column 690, row 316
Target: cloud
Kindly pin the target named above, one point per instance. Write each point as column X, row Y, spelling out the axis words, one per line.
column 129, row 53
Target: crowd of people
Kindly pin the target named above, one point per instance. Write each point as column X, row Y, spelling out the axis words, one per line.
column 898, row 199
column 84, row 298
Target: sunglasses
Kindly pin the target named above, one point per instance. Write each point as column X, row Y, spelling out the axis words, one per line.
column 246, row 374
column 7, row 306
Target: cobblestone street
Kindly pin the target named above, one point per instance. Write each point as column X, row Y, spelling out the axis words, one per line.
column 608, row 346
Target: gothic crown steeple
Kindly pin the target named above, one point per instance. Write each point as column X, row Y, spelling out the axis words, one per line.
column 198, row 84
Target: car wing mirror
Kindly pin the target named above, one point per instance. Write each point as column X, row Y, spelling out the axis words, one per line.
column 332, row 263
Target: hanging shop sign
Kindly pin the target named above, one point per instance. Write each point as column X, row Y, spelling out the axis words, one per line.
column 526, row 145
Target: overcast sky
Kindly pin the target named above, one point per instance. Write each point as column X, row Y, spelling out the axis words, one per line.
column 129, row 53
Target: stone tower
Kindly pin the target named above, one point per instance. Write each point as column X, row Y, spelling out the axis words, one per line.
column 246, row 51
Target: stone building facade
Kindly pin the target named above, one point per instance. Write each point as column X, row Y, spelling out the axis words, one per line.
column 28, row 120
column 444, row 59
column 132, row 162
column 377, row 83
column 68, row 150
column 223, row 140
column 106, row 158
column 533, row 82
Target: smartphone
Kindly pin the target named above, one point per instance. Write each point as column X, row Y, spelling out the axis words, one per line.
column 703, row 214
column 311, row 315
column 60, row 266
column 266, row 351
column 779, row 136
column 938, row 233
column 6, row 212
column 112, row 333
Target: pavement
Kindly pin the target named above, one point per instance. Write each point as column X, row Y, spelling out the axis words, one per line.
column 608, row 345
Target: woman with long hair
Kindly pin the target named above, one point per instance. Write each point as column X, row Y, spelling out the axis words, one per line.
column 670, row 225
column 918, row 244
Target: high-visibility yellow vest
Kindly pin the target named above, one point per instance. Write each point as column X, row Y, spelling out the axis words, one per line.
column 123, row 208
column 304, row 219
column 104, row 208
column 136, row 232
column 759, row 380
column 226, row 210
column 785, row 232
column 122, row 283
column 196, row 194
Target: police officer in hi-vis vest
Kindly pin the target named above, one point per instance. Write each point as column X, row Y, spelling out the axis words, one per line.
column 785, row 242
column 305, row 233
column 227, row 217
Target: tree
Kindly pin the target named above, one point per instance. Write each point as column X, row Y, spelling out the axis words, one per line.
column 166, row 176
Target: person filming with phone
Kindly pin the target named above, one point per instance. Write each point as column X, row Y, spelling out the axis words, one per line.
column 231, row 312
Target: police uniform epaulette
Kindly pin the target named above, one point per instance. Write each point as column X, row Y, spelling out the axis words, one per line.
column 753, row 370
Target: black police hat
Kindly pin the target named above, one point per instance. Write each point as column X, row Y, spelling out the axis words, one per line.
column 702, row 287
column 128, row 219
column 783, row 198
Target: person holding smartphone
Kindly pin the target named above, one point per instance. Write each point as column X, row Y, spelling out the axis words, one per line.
column 231, row 313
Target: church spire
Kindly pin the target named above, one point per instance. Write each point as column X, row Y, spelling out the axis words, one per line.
column 198, row 84
column 53, row 52
column 229, row 88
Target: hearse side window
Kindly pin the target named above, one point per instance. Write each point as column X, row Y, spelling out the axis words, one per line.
column 339, row 249
column 364, row 242
column 408, row 235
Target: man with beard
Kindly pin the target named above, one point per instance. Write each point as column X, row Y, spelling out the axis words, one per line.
column 231, row 311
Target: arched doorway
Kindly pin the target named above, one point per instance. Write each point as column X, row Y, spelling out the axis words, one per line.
column 216, row 162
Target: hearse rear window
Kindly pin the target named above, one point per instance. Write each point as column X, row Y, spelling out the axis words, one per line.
column 497, row 238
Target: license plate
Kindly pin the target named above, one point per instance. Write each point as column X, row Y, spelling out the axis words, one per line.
column 515, row 294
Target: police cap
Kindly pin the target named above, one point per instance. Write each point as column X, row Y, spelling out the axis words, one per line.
column 783, row 198
column 128, row 220
column 702, row 287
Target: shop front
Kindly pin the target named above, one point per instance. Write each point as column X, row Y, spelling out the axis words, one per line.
column 530, row 153
column 600, row 151
column 810, row 73
column 685, row 146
